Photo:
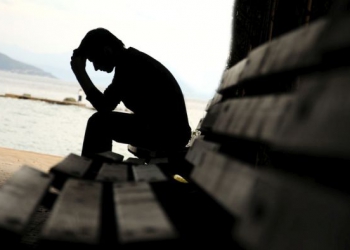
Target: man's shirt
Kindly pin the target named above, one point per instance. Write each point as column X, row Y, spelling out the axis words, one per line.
column 148, row 89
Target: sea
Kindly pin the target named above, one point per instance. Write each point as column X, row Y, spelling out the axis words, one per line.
column 52, row 128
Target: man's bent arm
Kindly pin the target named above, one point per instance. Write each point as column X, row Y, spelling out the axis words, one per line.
column 93, row 94
column 78, row 67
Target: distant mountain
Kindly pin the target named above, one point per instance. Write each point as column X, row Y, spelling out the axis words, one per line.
column 9, row 64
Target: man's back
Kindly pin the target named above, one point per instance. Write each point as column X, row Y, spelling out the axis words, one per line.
column 150, row 90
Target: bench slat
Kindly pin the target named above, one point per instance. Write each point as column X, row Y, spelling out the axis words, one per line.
column 198, row 149
column 275, row 210
column 110, row 157
column 241, row 115
column 215, row 100
column 148, row 173
column 259, row 116
column 209, row 119
column 318, row 124
column 286, row 212
column 75, row 217
column 254, row 118
column 227, row 181
column 71, row 166
column 232, row 76
column 255, row 61
column 20, row 196
column 275, row 116
column 302, row 50
column 113, row 172
column 273, row 57
column 139, row 215
column 225, row 111
column 335, row 41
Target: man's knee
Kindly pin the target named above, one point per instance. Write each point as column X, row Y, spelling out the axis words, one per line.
column 97, row 118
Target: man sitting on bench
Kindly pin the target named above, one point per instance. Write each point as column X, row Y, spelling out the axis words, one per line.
column 158, row 120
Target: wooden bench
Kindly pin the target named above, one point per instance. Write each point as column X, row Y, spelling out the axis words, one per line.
column 266, row 168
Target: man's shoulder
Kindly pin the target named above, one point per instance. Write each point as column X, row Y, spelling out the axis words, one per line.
column 133, row 52
column 147, row 63
column 144, row 59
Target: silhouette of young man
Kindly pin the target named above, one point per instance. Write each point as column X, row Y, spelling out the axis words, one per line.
column 158, row 120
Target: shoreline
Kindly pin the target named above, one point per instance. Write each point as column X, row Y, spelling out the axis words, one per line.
column 52, row 101
column 13, row 159
column 29, row 97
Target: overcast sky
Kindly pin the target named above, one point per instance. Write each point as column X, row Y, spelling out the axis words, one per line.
column 190, row 37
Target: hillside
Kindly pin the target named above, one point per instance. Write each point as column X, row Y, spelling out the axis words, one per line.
column 9, row 64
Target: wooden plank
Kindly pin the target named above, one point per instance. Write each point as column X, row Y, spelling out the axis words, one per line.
column 139, row 215
column 209, row 172
column 148, row 173
column 275, row 116
column 255, row 118
column 20, row 196
column 255, row 61
column 227, row 181
column 75, row 218
column 317, row 125
column 225, row 112
column 232, row 76
column 287, row 212
column 260, row 114
column 234, row 189
column 275, row 210
column 295, row 50
column 113, row 172
column 336, row 40
column 215, row 100
column 233, row 116
column 242, row 116
column 198, row 149
column 71, row 166
column 209, row 118
column 110, row 156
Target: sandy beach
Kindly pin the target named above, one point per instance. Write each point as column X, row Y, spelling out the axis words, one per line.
column 11, row 160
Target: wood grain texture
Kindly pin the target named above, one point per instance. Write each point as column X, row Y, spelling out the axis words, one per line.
column 20, row 196
column 140, row 217
column 75, row 218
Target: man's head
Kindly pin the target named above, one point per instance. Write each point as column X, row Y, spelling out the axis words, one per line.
column 101, row 48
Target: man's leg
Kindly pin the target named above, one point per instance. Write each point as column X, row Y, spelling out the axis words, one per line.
column 102, row 128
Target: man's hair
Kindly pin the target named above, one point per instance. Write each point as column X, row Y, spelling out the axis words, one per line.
column 95, row 40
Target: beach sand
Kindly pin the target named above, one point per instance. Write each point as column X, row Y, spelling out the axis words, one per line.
column 11, row 160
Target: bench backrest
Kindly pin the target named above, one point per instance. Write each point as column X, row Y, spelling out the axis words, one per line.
column 274, row 145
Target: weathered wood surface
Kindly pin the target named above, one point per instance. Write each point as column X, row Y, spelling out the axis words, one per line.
column 113, row 172
column 75, row 217
column 318, row 123
column 256, row 118
column 139, row 215
column 20, row 196
column 71, row 166
column 148, row 173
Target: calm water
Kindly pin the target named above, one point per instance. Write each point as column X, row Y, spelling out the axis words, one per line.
column 51, row 128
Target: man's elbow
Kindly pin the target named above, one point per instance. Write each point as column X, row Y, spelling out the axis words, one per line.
column 104, row 108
